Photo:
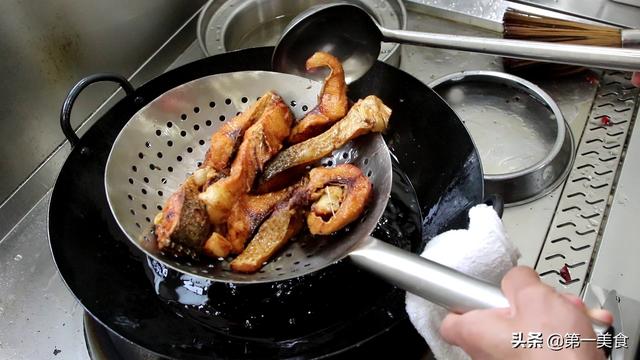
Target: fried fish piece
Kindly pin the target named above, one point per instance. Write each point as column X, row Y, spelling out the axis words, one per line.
column 249, row 212
column 183, row 225
column 367, row 115
column 261, row 142
column 332, row 101
column 225, row 141
column 338, row 195
column 284, row 223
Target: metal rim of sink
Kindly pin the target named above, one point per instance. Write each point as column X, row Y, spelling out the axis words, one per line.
column 218, row 20
column 539, row 178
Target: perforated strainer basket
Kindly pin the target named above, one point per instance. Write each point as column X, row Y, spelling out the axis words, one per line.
column 164, row 142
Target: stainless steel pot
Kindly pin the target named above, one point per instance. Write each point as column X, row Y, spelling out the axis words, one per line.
column 238, row 24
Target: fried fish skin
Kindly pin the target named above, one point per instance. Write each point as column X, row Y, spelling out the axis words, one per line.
column 226, row 140
column 367, row 115
column 183, row 225
column 332, row 101
column 260, row 143
column 249, row 212
column 355, row 191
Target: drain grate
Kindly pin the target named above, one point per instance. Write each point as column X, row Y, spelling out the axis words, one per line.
column 574, row 230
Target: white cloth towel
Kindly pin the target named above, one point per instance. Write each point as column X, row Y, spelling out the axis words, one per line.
column 482, row 251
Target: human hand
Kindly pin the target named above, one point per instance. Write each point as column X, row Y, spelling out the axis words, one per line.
column 535, row 307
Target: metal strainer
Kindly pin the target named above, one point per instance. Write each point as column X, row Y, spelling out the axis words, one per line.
column 163, row 142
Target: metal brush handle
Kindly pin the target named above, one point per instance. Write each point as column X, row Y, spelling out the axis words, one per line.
column 437, row 283
column 590, row 56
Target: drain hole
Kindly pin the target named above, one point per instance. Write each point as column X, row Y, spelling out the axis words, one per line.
column 159, row 208
column 212, row 104
column 183, row 133
column 369, row 173
column 227, row 101
column 293, row 103
column 307, row 265
column 134, row 168
column 208, row 122
column 183, row 116
column 158, row 132
column 133, row 212
column 130, row 196
column 159, row 155
column 140, row 155
column 201, row 142
column 196, row 127
column 196, row 109
column 278, row 268
column 169, row 124
column 169, row 143
column 345, row 155
column 144, row 206
column 146, row 180
column 288, row 255
column 189, row 150
column 330, row 163
column 160, row 193
column 305, row 108
column 296, row 263
column 147, row 144
column 148, row 220
column 138, row 225
column 221, row 118
column 199, row 163
column 238, row 113
column 244, row 99
column 170, row 169
column 152, row 167
column 131, row 181
column 179, row 158
column 366, row 161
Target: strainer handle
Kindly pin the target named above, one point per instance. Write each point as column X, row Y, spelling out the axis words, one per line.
column 437, row 283
column 67, row 105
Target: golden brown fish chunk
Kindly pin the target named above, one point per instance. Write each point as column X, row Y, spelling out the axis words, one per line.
column 183, row 224
column 339, row 196
column 261, row 142
column 367, row 115
column 332, row 101
column 225, row 141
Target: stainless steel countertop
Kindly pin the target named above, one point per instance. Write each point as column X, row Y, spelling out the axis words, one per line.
column 38, row 315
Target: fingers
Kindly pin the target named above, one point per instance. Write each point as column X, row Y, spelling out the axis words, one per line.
column 471, row 328
column 575, row 300
column 517, row 279
column 601, row 315
column 635, row 80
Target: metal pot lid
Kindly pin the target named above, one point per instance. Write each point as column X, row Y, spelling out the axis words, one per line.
column 525, row 145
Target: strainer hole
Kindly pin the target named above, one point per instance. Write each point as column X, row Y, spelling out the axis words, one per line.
column 199, row 163
column 258, row 98
column 189, row 150
column 183, row 116
column 330, row 163
column 208, row 122
column 146, row 180
column 170, row 169
column 138, row 225
column 196, row 127
column 293, row 103
column 144, row 206
column 133, row 212
column 144, row 191
column 227, row 101
column 160, row 193
column 212, row 104
column 169, row 143
column 148, row 219
column 169, row 124
column 183, row 133
column 163, row 180
column 196, row 109
column 221, row 118
column 369, row 173
column 134, row 168
column 261, row 271
column 345, row 155
column 159, row 208
column 152, row 167
column 310, row 255
column 307, row 265
column 140, row 155
column 179, row 158
column 158, row 132
column 201, row 142
column 296, row 263
column 147, row 144
column 305, row 108
column 159, row 154
column 130, row 196
column 244, row 99
column 366, row 161
column 238, row 113
column 288, row 255
column 278, row 268
column 131, row 181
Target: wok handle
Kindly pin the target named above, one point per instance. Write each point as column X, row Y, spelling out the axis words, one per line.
column 67, row 105
column 437, row 283
column 589, row 56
